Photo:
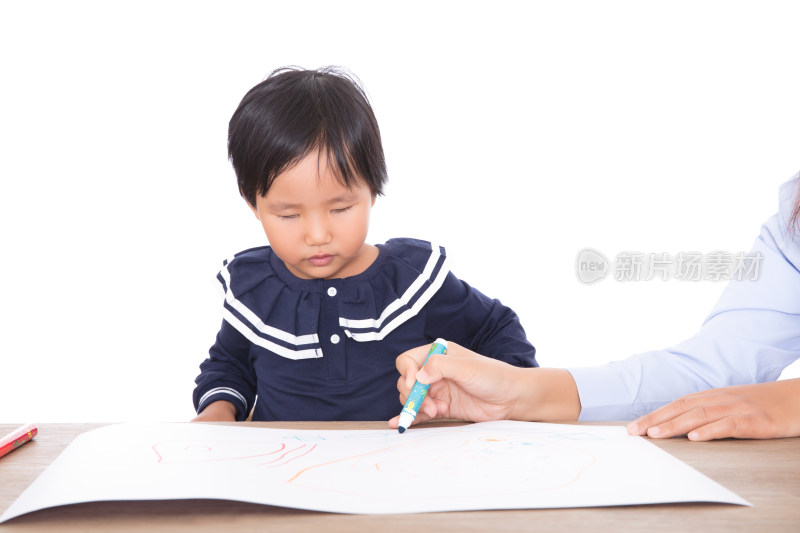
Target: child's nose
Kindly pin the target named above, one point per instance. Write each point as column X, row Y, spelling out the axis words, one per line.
column 317, row 232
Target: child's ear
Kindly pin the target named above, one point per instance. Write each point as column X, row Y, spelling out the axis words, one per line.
column 374, row 196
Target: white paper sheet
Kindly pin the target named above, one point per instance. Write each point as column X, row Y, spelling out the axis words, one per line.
column 492, row 465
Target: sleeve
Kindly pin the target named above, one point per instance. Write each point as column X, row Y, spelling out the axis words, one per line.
column 464, row 315
column 751, row 335
column 227, row 374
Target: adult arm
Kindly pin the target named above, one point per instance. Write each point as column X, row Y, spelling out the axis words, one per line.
column 469, row 386
column 751, row 335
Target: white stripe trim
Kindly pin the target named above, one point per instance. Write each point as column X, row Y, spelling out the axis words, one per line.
column 311, row 353
column 403, row 300
column 405, row 315
column 223, row 390
column 257, row 322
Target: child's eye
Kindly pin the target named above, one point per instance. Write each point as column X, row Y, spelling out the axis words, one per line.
column 343, row 209
column 287, row 217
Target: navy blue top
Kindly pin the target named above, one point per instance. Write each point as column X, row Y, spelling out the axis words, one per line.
column 325, row 349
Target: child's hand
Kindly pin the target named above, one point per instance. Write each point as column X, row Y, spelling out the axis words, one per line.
column 761, row 411
column 219, row 411
column 467, row 386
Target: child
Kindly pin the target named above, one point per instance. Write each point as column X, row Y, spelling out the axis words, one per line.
column 312, row 324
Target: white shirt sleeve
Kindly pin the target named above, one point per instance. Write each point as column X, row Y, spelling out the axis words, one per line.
column 751, row 335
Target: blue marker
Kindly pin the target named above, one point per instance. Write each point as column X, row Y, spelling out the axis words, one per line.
column 418, row 392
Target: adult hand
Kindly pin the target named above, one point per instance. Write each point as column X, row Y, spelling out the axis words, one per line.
column 467, row 386
column 219, row 411
column 761, row 411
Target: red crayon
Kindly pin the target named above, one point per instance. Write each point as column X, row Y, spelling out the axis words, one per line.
column 17, row 438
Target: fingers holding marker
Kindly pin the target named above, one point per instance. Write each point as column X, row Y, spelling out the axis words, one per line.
column 418, row 391
column 415, row 357
column 402, row 389
column 408, row 364
column 447, row 365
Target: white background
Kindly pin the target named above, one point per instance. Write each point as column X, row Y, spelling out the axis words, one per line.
column 514, row 134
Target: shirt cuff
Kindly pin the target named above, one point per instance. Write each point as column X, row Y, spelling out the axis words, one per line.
column 225, row 393
column 604, row 393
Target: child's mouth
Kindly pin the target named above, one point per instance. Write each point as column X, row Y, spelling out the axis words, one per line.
column 320, row 260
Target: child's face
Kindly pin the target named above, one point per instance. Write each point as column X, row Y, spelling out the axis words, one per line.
column 316, row 225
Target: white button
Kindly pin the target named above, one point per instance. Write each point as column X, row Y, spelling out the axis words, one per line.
column 331, row 291
column 335, row 338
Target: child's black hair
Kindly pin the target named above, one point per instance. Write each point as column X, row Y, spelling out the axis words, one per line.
column 294, row 112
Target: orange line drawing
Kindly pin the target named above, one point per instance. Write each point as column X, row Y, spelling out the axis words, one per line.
column 546, row 468
column 291, row 458
column 301, row 472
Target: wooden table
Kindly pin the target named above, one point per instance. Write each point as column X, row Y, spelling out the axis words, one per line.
column 766, row 473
